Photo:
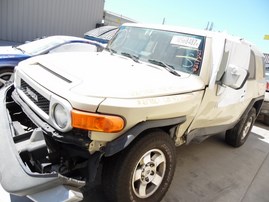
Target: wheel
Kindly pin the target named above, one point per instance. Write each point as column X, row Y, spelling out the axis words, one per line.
column 143, row 172
column 6, row 75
column 238, row 135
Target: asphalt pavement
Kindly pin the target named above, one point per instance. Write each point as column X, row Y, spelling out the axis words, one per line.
column 215, row 172
column 211, row 172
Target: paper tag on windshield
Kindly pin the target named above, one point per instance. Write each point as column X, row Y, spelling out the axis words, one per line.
column 186, row 41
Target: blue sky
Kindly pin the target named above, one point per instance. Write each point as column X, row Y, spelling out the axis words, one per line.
column 248, row 19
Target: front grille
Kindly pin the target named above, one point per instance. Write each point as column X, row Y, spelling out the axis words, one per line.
column 35, row 97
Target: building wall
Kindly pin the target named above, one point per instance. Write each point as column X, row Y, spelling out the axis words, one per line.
column 22, row 20
column 115, row 19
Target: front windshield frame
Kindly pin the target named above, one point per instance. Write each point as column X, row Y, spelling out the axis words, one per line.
column 182, row 51
column 41, row 45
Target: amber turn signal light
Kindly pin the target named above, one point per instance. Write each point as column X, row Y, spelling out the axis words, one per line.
column 97, row 122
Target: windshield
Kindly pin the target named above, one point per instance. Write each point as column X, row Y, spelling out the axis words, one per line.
column 41, row 45
column 182, row 52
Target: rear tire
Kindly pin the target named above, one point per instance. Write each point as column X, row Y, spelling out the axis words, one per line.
column 6, row 75
column 143, row 172
column 238, row 135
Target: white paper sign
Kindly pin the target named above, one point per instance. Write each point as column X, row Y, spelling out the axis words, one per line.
column 186, row 41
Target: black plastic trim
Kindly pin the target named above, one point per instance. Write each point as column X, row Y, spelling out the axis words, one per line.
column 244, row 82
column 55, row 74
column 124, row 140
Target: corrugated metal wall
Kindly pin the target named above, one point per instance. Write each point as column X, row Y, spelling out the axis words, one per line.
column 22, row 20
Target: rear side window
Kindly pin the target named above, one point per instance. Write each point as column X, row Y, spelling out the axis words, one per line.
column 260, row 69
column 252, row 66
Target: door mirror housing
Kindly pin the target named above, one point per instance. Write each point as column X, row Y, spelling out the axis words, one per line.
column 235, row 77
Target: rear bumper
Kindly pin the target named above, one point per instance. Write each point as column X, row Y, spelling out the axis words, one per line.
column 15, row 176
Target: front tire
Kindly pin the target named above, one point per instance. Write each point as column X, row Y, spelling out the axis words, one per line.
column 143, row 172
column 238, row 135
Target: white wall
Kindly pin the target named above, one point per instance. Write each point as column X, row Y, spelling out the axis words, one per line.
column 22, row 20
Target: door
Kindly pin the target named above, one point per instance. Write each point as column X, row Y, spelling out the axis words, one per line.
column 223, row 105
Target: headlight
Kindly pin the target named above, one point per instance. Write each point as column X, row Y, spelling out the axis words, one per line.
column 60, row 116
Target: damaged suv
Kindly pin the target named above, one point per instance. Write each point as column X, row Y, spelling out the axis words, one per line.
column 122, row 112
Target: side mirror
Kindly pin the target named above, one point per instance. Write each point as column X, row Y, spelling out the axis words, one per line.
column 235, row 77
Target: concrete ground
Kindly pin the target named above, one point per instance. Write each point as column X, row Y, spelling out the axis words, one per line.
column 212, row 172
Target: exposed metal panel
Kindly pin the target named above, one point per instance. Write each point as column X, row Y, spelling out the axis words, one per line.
column 22, row 20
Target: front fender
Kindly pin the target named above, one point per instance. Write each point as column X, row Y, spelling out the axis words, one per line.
column 124, row 140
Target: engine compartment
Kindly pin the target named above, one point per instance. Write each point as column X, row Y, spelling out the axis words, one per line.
column 44, row 150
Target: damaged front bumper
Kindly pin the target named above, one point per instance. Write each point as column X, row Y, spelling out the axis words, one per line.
column 16, row 175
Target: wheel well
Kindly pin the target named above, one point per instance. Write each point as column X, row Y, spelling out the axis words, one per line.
column 257, row 105
column 166, row 125
column 6, row 67
column 169, row 130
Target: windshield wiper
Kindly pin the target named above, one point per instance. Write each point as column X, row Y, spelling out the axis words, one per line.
column 168, row 67
column 133, row 57
column 16, row 47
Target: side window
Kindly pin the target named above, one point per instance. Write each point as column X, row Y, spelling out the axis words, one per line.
column 252, row 66
column 237, row 54
column 260, row 68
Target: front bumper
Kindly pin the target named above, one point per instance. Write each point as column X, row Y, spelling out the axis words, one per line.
column 15, row 175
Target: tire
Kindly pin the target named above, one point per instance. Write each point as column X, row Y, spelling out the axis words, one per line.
column 238, row 135
column 143, row 172
column 6, row 75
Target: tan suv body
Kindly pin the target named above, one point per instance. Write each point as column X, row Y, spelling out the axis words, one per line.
column 153, row 88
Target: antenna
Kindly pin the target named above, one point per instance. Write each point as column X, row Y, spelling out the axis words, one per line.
column 209, row 26
column 163, row 21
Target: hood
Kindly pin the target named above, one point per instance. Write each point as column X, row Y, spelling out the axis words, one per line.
column 104, row 75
